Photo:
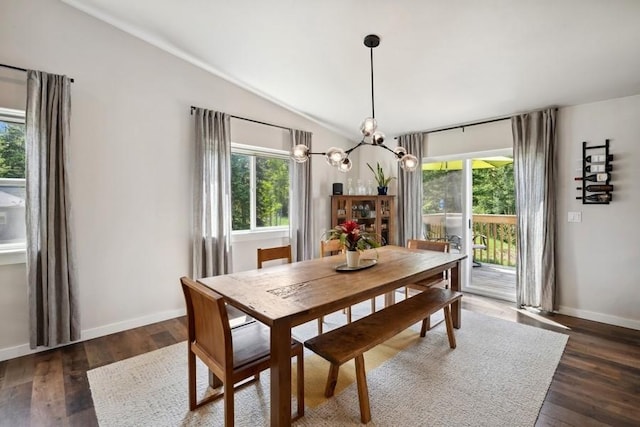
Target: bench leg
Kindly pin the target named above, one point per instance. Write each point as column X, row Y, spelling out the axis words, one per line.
column 363, row 392
column 349, row 314
column 426, row 325
column 449, row 321
column 332, row 379
column 320, row 320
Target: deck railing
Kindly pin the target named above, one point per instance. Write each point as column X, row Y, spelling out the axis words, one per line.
column 500, row 232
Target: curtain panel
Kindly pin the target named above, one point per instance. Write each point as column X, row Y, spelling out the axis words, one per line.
column 54, row 317
column 410, row 192
column 300, row 210
column 212, row 194
column 534, row 136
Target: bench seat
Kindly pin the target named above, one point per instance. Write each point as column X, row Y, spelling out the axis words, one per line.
column 353, row 339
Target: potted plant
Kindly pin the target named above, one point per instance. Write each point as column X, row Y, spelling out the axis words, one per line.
column 382, row 180
column 354, row 240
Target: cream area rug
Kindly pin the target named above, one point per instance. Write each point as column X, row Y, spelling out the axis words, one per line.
column 497, row 376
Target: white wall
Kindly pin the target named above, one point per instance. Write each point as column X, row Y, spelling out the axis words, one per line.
column 599, row 259
column 131, row 163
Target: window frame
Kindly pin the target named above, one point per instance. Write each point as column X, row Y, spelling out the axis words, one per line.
column 13, row 253
column 253, row 152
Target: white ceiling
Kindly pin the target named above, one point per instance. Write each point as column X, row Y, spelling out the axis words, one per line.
column 440, row 62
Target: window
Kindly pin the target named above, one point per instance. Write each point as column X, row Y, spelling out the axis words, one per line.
column 259, row 188
column 12, row 180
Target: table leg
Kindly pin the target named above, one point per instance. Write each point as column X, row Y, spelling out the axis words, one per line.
column 456, row 285
column 389, row 298
column 281, row 373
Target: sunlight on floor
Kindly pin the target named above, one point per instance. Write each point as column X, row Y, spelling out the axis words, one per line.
column 534, row 314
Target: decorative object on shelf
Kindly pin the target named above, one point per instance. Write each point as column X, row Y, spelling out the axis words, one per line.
column 370, row 135
column 382, row 180
column 599, row 165
column 374, row 214
column 353, row 239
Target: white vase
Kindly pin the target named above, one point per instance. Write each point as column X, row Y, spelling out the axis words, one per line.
column 353, row 259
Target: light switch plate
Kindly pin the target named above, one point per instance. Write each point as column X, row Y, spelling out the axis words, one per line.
column 574, row 217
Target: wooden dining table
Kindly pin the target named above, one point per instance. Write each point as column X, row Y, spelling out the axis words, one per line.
column 288, row 295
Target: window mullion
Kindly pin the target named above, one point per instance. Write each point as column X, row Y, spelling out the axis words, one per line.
column 252, row 196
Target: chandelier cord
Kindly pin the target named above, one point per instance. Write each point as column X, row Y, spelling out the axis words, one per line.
column 373, row 107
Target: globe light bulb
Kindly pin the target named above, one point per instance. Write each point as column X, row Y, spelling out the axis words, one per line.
column 300, row 153
column 377, row 138
column 334, row 156
column 400, row 152
column 409, row 163
column 345, row 165
column 368, row 126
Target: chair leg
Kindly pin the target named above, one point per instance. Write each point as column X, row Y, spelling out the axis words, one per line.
column 348, row 314
column 228, row 404
column 191, row 363
column 373, row 305
column 363, row 392
column 300, row 374
column 320, row 321
column 449, row 321
column 332, row 380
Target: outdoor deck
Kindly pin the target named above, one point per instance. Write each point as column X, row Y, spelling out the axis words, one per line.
column 499, row 281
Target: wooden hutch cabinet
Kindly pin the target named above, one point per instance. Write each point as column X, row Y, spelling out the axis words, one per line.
column 376, row 214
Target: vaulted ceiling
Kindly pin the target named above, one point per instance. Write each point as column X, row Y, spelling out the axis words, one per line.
column 439, row 63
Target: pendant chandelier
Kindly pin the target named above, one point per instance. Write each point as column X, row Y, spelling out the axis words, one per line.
column 370, row 135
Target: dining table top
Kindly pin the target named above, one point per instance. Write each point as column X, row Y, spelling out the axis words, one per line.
column 305, row 290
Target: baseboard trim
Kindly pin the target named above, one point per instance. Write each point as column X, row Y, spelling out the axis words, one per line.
column 23, row 349
column 599, row 317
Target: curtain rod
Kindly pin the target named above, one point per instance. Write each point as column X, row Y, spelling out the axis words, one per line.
column 251, row 120
column 21, row 69
column 469, row 124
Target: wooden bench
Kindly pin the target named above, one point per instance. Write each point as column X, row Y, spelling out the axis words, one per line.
column 353, row 339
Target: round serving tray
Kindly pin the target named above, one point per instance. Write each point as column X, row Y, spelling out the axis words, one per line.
column 364, row 263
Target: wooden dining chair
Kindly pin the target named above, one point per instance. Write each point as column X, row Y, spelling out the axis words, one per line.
column 328, row 248
column 234, row 356
column 333, row 247
column 271, row 254
column 438, row 280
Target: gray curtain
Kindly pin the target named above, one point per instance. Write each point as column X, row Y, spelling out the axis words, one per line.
column 534, row 137
column 300, row 210
column 212, row 194
column 410, row 192
column 51, row 274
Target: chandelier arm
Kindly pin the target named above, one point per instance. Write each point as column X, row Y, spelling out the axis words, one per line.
column 347, row 152
column 390, row 150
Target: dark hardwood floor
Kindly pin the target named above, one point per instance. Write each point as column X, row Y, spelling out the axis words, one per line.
column 597, row 382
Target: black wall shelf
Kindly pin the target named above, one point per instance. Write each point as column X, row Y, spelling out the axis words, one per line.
column 596, row 185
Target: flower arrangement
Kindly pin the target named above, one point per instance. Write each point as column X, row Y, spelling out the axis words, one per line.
column 352, row 237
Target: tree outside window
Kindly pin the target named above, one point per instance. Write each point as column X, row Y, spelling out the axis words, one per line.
column 12, row 181
column 259, row 190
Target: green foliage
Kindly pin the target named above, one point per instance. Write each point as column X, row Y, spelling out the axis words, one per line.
column 12, row 150
column 381, row 179
column 240, row 192
column 271, row 192
column 494, row 191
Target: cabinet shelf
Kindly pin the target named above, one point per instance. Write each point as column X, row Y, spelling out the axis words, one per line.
column 375, row 214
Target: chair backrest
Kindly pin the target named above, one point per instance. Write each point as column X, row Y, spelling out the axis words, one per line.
column 269, row 254
column 429, row 245
column 208, row 324
column 328, row 247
